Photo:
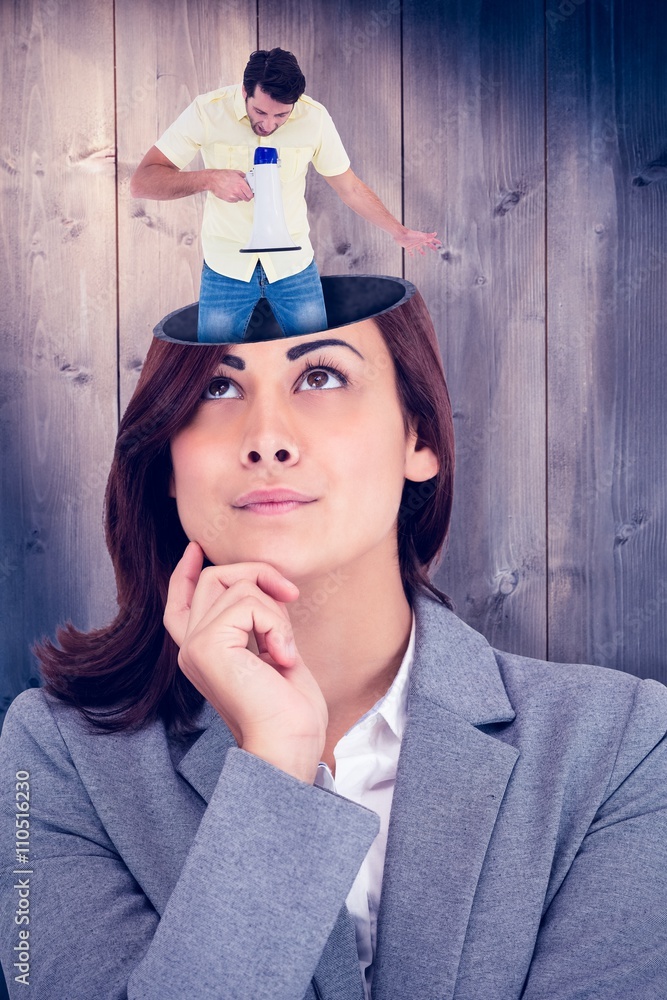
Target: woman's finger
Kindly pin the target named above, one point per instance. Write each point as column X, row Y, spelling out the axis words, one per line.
column 227, row 631
column 278, row 644
column 192, row 591
column 215, row 581
column 182, row 586
column 216, row 616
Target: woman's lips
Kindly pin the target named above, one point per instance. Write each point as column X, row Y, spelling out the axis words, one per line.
column 274, row 508
column 272, row 501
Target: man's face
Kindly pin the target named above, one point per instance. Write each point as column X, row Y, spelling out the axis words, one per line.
column 265, row 114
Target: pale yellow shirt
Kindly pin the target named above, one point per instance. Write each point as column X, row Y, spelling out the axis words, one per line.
column 217, row 124
column 366, row 762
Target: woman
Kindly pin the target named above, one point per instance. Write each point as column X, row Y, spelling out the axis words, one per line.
column 221, row 827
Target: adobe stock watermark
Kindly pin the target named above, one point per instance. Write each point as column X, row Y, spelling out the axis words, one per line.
column 415, row 497
column 429, row 145
column 630, row 285
column 425, row 147
column 634, row 622
column 306, row 607
column 299, row 613
column 23, row 871
column 90, row 486
column 7, row 567
column 564, row 11
column 49, row 9
column 572, row 170
column 128, row 102
column 377, row 21
column 606, row 480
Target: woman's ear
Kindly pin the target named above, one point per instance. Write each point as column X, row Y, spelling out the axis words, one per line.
column 421, row 462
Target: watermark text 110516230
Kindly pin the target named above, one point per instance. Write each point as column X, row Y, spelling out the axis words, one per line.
column 23, row 872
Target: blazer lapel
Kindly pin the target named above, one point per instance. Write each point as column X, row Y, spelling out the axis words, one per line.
column 450, row 782
column 202, row 763
column 338, row 973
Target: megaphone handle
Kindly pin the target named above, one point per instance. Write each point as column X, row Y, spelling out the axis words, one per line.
column 250, row 179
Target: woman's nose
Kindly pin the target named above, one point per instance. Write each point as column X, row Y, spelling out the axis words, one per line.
column 284, row 455
column 269, row 439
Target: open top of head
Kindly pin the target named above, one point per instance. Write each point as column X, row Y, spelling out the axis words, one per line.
column 348, row 298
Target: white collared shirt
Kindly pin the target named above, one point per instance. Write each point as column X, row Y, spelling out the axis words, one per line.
column 366, row 761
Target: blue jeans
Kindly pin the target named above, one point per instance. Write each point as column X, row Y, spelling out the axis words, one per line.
column 226, row 304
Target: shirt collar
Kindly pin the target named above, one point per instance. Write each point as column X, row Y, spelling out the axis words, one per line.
column 239, row 104
column 241, row 111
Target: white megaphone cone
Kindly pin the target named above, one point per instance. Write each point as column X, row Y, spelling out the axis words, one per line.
column 269, row 229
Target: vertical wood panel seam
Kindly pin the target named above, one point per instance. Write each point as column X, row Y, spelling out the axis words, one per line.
column 545, row 130
column 117, row 209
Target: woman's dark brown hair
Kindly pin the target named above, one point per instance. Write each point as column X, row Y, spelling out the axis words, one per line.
column 126, row 675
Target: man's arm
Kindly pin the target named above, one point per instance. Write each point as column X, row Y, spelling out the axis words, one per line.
column 158, row 178
column 359, row 197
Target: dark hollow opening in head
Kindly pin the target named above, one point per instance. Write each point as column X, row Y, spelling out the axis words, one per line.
column 348, row 299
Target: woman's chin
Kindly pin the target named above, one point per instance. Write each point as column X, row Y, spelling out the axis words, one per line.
column 293, row 565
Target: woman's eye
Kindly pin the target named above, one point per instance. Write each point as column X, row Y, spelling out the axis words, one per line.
column 321, row 378
column 221, row 388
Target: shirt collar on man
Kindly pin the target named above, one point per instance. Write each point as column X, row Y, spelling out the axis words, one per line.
column 239, row 104
column 241, row 112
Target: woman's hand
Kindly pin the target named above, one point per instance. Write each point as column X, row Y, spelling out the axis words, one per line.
column 269, row 699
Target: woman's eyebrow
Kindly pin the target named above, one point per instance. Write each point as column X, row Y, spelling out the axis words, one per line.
column 234, row 361
column 315, row 345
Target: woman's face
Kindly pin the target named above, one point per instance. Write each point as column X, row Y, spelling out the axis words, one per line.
column 297, row 455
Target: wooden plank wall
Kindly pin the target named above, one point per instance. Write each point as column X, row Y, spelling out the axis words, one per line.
column 474, row 142
column 532, row 139
column 58, row 381
column 607, row 264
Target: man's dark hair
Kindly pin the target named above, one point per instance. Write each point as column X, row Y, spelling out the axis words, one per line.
column 278, row 74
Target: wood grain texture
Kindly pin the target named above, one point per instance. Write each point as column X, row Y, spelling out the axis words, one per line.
column 607, row 224
column 58, row 367
column 167, row 54
column 351, row 58
column 57, row 218
column 474, row 170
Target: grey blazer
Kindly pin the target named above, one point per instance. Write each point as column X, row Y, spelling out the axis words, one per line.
column 527, row 851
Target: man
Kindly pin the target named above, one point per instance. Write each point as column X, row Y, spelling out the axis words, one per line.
column 227, row 125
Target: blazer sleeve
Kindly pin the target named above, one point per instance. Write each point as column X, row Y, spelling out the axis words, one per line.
column 259, row 893
column 604, row 932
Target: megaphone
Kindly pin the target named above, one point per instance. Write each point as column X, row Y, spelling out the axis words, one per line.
column 269, row 229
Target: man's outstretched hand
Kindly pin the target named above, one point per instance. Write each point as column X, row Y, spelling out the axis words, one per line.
column 413, row 239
